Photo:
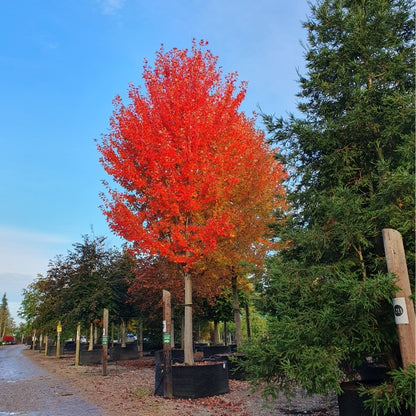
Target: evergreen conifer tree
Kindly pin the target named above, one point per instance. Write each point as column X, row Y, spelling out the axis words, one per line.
column 350, row 156
column 5, row 319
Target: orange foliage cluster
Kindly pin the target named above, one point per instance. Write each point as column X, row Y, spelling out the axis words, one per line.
column 196, row 179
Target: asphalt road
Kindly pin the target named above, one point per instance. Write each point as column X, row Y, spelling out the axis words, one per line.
column 26, row 389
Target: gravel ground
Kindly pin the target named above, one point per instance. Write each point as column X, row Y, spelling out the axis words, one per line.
column 26, row 389
column 129, row 386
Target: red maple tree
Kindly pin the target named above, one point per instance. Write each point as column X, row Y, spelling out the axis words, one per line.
column 182, row 156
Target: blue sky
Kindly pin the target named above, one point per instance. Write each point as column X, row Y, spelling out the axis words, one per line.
column 62, row 63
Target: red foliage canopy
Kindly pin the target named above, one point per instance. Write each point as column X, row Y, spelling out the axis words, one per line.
column 192, row 171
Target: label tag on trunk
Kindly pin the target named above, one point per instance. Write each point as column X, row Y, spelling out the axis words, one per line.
column 400, row 311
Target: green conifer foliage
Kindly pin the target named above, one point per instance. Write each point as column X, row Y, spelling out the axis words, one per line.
column 350, row 156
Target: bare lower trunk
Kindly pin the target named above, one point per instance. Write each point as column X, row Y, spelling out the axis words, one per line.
column 183, row 333
column 140, row 339
column 236, row 307
column 91, row 343
column 216, row 333
column 123, row 333
column 225, row 334
column 112, row 334
column 188, row 347
column 172, row 334
column 34, row 340
column 248, row 320
column 46, row 344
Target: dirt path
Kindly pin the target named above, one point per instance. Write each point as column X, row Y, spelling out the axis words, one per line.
column 26, row 389
column 128, row 389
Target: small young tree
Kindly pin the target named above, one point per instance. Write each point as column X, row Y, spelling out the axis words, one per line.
column 78, row 286
column 6, row 321
column 178, row 155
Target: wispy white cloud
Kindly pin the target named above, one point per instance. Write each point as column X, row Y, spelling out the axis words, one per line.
column 26, row 251
column 30, row 236
column 110, row 6
column 12, row 284
column 51, row 45
column 23, row 255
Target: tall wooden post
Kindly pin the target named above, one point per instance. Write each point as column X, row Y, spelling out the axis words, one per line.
column 404, row 312
column 105, row 341
column 77, row 342
column 91, row 340
column 123, row 333
column 58, row 339
column 167, row 349
column 34, row 340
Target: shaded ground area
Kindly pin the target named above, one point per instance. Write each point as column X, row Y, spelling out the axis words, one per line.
column 129, row 386
column 26, row 389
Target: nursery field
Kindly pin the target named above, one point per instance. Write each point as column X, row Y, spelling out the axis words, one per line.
column 128, row 389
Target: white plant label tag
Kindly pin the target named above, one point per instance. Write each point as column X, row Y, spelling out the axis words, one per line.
column 400, row 311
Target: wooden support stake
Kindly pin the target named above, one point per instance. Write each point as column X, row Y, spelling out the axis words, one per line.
column 167, row 349
column 105, row 341
column 58, row 339
column 123, row 333
column 91, row 340
column 404, row 311
column 77, row 342
column 46, row 345
column 34, row 340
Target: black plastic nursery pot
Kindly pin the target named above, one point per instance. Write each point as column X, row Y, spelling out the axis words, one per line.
column 235, row 372
column 52, row 350
column 373, row 373
column 194, row 381
column 350, row 403
column 90, row 357
column 69, row 347
column 129, row 352
column 210, row 351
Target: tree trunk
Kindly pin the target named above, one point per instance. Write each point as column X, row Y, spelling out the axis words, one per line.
column 167, row 349
column 236, row 308
column 248, row 320
column 225, row 334
column 140, row 339
column 183, row 332
column 216, row 333
column 123, row 333
column 172, row 334
column 105, row 341
column 188, row 347
column 46, row 345
column 2, row 324
column 77, row 342
column 91, row 340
